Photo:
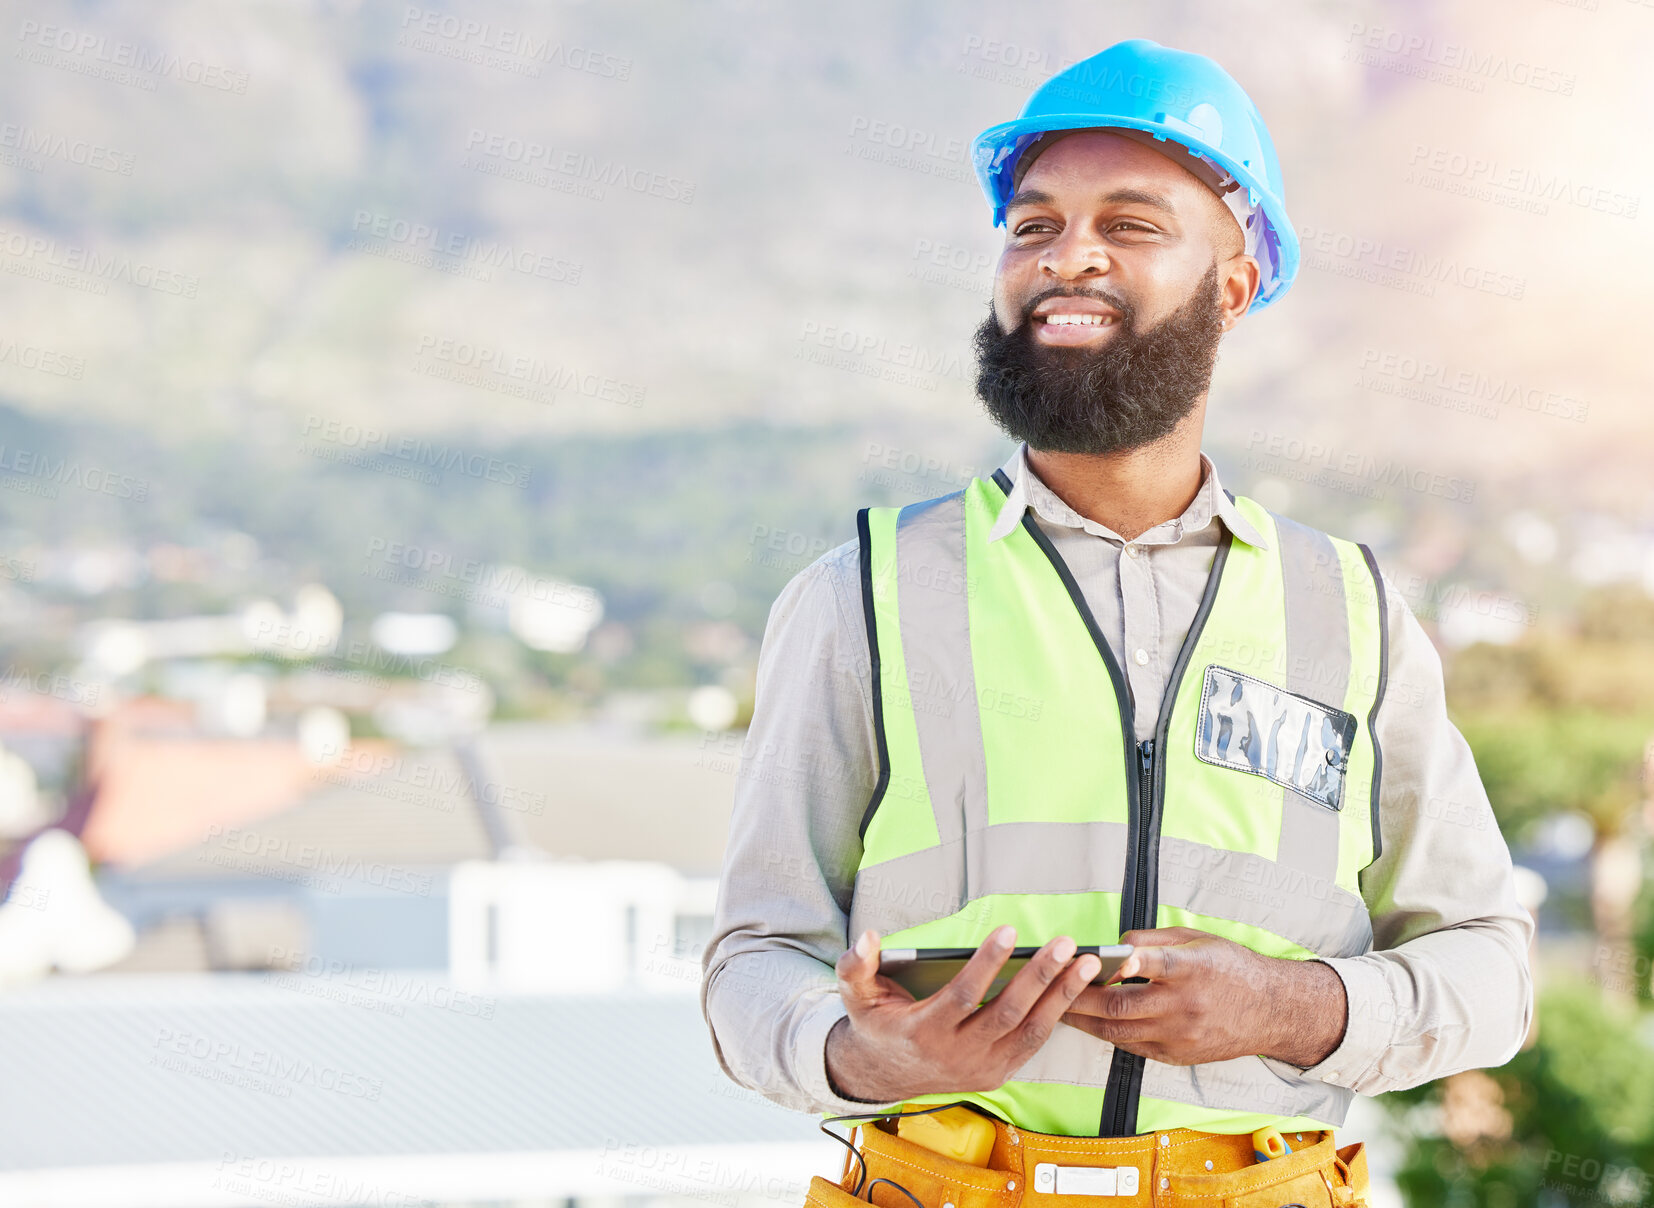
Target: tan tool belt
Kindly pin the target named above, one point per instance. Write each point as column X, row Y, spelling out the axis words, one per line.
column 1177, row 1166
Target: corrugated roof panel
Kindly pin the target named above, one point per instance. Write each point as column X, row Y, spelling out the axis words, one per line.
column 152, row 1072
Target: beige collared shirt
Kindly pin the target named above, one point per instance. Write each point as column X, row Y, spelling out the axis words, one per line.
column 1445, row 988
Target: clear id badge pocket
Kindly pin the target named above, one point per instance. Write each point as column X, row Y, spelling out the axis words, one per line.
column 1252, row 726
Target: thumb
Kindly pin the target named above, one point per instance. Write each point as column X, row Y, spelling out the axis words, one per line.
column 860, row 965
column 1152, row 937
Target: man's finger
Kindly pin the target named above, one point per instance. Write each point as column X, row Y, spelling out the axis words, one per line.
column 1009, row 1009
column 859, row 966
column 957, row 1000
column 1121, row 1032
column 1145, row 1000
column 1154, row 963
column 1035, row 1028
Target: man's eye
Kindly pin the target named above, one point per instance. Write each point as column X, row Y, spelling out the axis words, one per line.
column 1038, row 223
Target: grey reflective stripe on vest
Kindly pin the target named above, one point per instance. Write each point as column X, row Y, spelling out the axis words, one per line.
column 930, row 567
column 1246, row 1084
column 1308, row 908
column 1243, row 1084
column 1014, row 857
column 1316, row 619
column 1089, row 857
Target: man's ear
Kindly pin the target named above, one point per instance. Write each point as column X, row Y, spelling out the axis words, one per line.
column 1242, row 275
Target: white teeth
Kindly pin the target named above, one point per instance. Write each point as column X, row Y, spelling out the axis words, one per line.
column 1084, row 320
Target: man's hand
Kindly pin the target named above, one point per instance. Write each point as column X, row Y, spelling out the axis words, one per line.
column 892, row 1046
column 1210, row 999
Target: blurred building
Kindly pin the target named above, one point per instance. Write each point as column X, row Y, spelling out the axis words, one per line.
column 457, row 973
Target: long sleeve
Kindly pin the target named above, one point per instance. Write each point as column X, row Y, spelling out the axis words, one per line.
column 769, row 992
column 1447, row 985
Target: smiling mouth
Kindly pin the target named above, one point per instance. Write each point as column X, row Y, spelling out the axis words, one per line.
column 1076, row 320
column 1073, row 328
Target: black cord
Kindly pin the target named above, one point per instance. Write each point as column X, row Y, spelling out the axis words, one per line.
column 845, row 1141
column 897, row 1186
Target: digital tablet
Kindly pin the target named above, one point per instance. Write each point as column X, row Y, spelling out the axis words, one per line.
column 923, row 971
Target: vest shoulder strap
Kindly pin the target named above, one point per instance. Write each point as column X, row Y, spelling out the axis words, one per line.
column 1333, row 581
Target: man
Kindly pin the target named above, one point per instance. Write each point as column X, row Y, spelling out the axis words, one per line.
column 1096, row 698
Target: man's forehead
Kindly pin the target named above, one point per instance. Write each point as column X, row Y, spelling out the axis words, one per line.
column 1132, row 178
column 1122, row 193
column 1108, row 156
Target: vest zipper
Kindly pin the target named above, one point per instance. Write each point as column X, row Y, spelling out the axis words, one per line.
column 1130, row 1065
column 1145, row 818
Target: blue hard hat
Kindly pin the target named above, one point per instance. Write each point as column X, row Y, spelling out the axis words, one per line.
column 1175, row 95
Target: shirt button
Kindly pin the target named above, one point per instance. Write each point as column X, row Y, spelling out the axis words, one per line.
column 1165, row 1139
column 1142, row 657
column 1131, row 551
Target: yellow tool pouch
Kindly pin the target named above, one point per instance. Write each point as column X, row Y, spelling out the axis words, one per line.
column 1316, row 1176
column 1174, row 1167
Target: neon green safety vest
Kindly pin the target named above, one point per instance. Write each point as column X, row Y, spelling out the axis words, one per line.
column 1011, row 788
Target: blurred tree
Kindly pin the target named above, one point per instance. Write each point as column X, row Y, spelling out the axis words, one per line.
column 1569, row 1121
column 1536, row 762
column 1622, row 613
column 1560, row 722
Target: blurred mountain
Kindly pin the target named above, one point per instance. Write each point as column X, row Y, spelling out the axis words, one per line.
column 619, row 217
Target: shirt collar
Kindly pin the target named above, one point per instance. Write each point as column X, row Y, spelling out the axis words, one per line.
column 1027, row 490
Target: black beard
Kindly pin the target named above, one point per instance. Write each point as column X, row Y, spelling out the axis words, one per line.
column 1131, row 390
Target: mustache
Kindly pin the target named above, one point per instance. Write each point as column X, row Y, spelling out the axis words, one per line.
column 1127, row 312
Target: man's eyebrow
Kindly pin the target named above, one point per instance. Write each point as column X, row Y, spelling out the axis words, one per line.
column 1142, row 197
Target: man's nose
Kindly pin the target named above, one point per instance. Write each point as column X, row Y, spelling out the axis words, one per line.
column 1074, row 254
